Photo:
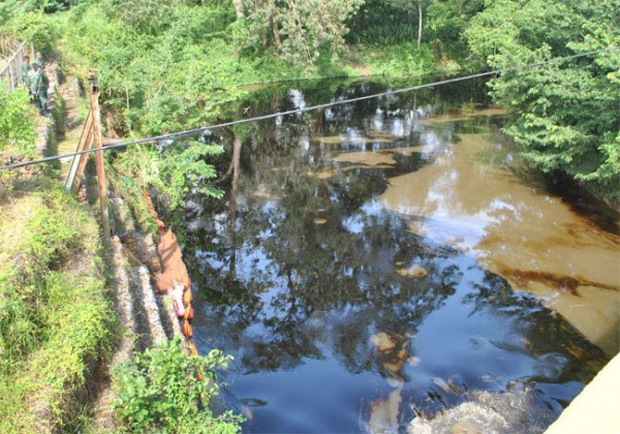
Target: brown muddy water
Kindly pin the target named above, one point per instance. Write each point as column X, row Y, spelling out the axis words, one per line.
column 390, row 265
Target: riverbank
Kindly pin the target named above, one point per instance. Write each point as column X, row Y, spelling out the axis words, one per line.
column 56, row 323
column 73, row 307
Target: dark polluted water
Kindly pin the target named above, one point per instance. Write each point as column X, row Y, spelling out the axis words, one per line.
column 389, row 261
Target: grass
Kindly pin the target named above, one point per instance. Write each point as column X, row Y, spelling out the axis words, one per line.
column 54, row 315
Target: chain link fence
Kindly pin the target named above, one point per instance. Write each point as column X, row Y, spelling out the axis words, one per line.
column 12, row 55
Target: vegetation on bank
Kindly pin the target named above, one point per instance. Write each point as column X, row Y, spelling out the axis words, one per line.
column 17, row 122
column 158, row 392
column 565, row 114
column 54, row 314
column 170, row 65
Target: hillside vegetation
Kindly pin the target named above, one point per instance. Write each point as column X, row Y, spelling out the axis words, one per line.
column 55, row 319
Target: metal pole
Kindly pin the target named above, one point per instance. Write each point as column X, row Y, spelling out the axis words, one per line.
column 101, row 181
column 20, row 62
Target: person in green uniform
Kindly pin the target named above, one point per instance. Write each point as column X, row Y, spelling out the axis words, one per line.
column 34, row 82
column 32, row 72
column 39, row 59
column 40, row 86
column 26, row 72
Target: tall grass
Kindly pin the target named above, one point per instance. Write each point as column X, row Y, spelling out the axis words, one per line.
column 54, row 316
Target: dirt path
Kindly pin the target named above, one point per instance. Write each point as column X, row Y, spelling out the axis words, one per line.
column 75, row 111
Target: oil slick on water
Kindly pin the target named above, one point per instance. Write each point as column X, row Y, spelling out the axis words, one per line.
column 377, row 266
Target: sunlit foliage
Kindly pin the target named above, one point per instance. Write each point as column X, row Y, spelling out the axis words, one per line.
column 565, row 114
column 16, row 121
column 296, row 30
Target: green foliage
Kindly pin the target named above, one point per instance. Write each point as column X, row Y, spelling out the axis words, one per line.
column 444, row 27
column 147, row 16
column 10, row 10
column 51, row 6
column 159, row 391
column 17, row 121
column 404, row 60
column 23, row 21
column 298, row 31
column 380, row 23
column 53, row 321
column 565, row 115
column 174, row 170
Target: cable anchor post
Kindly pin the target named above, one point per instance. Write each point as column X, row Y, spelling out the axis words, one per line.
column 99, row 162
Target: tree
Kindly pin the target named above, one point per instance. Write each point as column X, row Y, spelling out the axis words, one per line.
column 298, row 30
column 565, row 115
column 411, row 6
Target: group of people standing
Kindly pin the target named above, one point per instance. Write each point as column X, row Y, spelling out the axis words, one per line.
column 37, row 82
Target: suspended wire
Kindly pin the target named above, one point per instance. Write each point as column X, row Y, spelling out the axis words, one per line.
column 195, row 131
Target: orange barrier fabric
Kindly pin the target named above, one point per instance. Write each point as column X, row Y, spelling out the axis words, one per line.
column 173, row 274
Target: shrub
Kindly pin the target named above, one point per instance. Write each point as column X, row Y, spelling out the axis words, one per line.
column 159, row 391
column 16, row 121
column 404, row 60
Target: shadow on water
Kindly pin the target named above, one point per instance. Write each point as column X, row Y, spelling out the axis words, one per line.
column 341, row 317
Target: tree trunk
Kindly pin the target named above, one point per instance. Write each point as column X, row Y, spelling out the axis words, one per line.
column 238, row 4
column 232, row 203
column 276, row 33
column 419, row 23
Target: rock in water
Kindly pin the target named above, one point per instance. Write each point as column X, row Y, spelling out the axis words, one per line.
column 415, row 271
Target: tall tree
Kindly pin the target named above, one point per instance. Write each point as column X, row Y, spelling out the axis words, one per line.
column 299, row 30
column 412, row 7
column 565, row 115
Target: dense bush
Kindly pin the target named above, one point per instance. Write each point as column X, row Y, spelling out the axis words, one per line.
column 565, row 114
column 17, row 121
column 404, row 60
column 160, row 391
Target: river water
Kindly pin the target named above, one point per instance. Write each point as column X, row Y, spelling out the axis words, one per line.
column 392, row 261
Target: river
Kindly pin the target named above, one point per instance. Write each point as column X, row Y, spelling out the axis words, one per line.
column 392, row 261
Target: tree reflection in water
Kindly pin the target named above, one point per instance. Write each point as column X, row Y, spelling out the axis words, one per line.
column 297, row 275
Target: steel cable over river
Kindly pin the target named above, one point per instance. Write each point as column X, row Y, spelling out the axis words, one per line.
column 195, row 131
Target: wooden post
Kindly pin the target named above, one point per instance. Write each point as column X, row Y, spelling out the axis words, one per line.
column 82, row 164
column 96, row 134
column 85, row 139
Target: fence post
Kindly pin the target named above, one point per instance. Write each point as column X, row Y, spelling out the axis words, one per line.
column 11, row 71
column 96, row 133
column 19, row 62
column 11, row 74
